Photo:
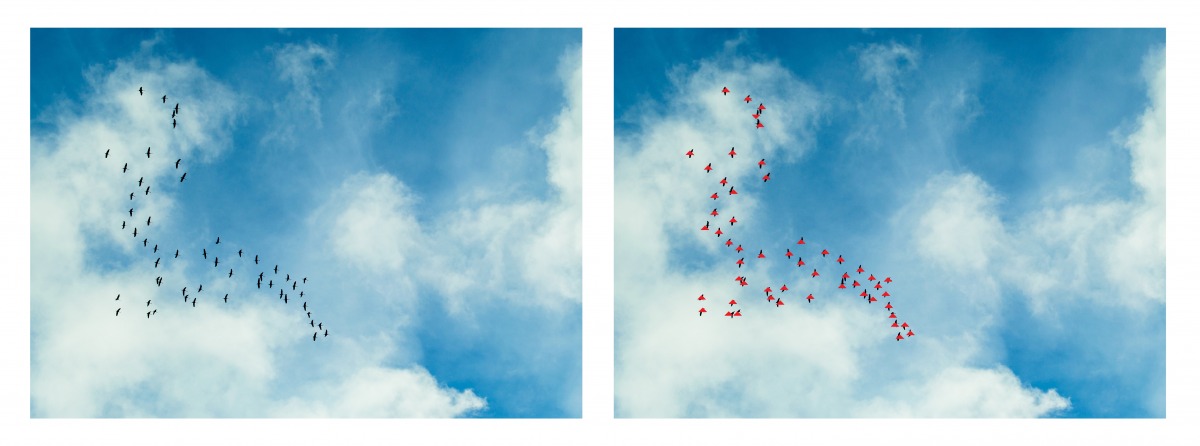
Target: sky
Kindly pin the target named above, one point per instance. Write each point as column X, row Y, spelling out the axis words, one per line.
column 426, row 183
column 1010, row 181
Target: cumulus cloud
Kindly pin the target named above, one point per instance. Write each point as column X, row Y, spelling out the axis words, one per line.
column 811, row 361
column 212, row 361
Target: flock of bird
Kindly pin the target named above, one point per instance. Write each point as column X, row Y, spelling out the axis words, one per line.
column 868, row 283
column 211, row 252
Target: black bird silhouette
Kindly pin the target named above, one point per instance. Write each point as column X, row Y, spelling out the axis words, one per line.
column 226, row 297
column 164, row 99
column 147, row 303
column 118, row 312
column 177, row 107
column 183, row 291
column 135, row 232
column 311, row 323
column 305, row 280
column 200, row 289
column 256, row 261
column 260, row 284
column 287, row 277
column 301, row 294
column 205, row 252
column 147, row 152
column 276, row 269
column 319, row 326
column 147, row 315
column 159, row 280
column 271, row 283
column 177, row 253
column 285, row 298
column 125, row 168
column 293, row 285
column 145, row 241
column 122, row 225
column 314, row 336
column 106, row 152
column 193, row 303
column 326, row 333
column 172, row 114
column 156, row 248
column 148, row 222
column 216, row 261
column 173, row 123
column 140, row 91
column 147, row 190
column 177, row 162
column 230, row 272
column 118, row 297
column 260, row 277
column 306, row 306
column 185, row 297
column 130, row 212
column 140, row 181
column 131, row 195
column 182, row 177
column 155, row 311
column 218, row 240
column 239, row 253
column 310, row 315
column 281, row 293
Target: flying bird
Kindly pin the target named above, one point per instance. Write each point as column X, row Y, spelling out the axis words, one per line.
column 789, row 254
column 766, row 177
column 177, row 162
column 256, row 262
column 118, row 297
column 148, row 223
column 147, row 303
column 732, row 191
column 156, row 262
column 758, row 124
column 230, row 272
column 226, row 297
column 135, row 232
column 732, row 220
column 708, row 168
column 239, row 253
column 125, row 169
column 719, row 232
column 173, row 123
column 724, row 181
column 177, row 253
column 732, row 302
column 314, row 336
column 714, row 212
column 216, row 261
column 762, row 162
column 131, row 195
column 182, row 177
column 724, row 91
column 760, row 254
column 732, row 152
column 702, row 311
column 276, row 269
column 147, row 152
column 810, row 297
column 205, row 252
column 122, row 225
column 118, row 312
column 747, row 99
column 689, row 153
column 714, row 195
column 106, row 152
column 140, row 92
column 165, row 99
column 218, row 240
column 140, row 181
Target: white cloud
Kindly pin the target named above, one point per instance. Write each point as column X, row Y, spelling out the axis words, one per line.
column 823, row 359
column 211, row 360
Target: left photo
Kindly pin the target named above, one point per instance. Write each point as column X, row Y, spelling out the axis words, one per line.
column 337, row 223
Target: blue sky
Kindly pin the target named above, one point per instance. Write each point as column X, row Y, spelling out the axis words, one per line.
column 1011, row 181
column 425, row 181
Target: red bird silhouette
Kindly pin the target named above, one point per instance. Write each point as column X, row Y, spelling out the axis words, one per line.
column 705, row 227
column 760, row 254
column 887, row 280
column 762, row 162
column 886, row 294
column 767, row 290
column 714, row 195
column 856, row 284
column 770, row 298
column 732, row 152
column 728, row 242
column 761, row 107
column 755, row 116
column 702, row 311
column 895, row 324
column 719, row 232
column 732, row 220
column 738, row 313
column 690, row 153
column 732, row 191
column 729, row 313
column 732, row 302
column 872, row 299
column 758, row 124
column 892, row 316
column 724, row 182
column 842, row 285
column 872, row 278
column 783, row 288
column 878, row 286
column 824, row 252
column 724, row 91
column 910, row 333
column 864, row 293
column 708, row 168
column 789, row 254
column 739, row 248
column 860, row 270
column 888, row 306
column 741, row 261
column 714, row 212
column 800, row 262
column 810, row 297
column 904, row 325
column 815, row 273
column 766, row 177
column 778, row 303
column 747, row 99
column 701, row 297
column 840, row 260
column 898, row 337
column 801, row 242
column 845, row 276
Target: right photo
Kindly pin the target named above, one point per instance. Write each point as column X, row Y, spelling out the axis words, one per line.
column 880, row 223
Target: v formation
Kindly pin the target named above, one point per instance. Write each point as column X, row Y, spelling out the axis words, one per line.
column 871, row 285
column 291, row 288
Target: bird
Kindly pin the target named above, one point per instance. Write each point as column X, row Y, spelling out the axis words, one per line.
column 177, row 253
column 310, row 314
column 801, row 242
column 182, row 177
column 758, row 124
column 177, row 162
column 135, row 232
column 320, row 327
column 256, row 262
column 230, row 272
column 747, row 99
column 140, row 92
column 760, row 254
column 840, row 260
column 705, row 227
column 106, row 152
column 702, row 311
column 690, row 153
column 125, row 169
column 226, row 297
column 276, row 269
column 183, row 291
column 714, row 195
column 305, row 306
column 305, row 280
column 810, row 297
column 287, row 277
column 732, row 152
column 148, row 223
column 164, row 99
column 714, row 212
column 732, row 191
column 239, row 253
column 193, row 303
column 301, row 294
column 741, row 261
column 145, row 241
column 173, row 123
column 789, row 254
column 147, row 152
column 118, row 297
column 140, row 181
column 177, row 107
column 766, row 177
column 218, row 240
column 201, row 288
column 147, row 315
column 762, row 162
column 205, row 252
column 122, row 225
column 159, row 280
column 147, row 190
column 708, row 168
column 293, row 285
column 271, row 283
column 313, row 324
column 216, row 261
column 732, row 302
column 724, row 181
column 118, row 312
column 148, row 303
column 156, row 262
column 724, row 91
column 314, row 336
column 131, row 195
column 732, row 220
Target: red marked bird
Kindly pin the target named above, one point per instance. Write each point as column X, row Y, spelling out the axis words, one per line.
column 860, row 270
column 747, row 99
column 760, row 254
column 895, row 324
column 898, row 337
column 755, row 116
column 761, row 107
column 789, row 254
column 842, row 286
column 762, row 162
column 732, row 302
column 729, row 313
column 840, row 260
column 886, row 294
column 732, row 220
column 878, row 286
column 708, row 168
column 701, row 297
column 724, row 182
column 856, row 284
column 702, row 311
column 758, row 124
column 732, row 152
column 689, row 154
column 801, row 242
column 887, row 280
column 892, row 316
column 714, row 212
column 767, row 290
column 904, row 325
column 728, row 242
column 714, row 195
column 910, row 333
column 738, row 313
column 705, row 227
column 770, row 298
column 719, row 232
column 766, row 177
column 739, row 248
column 888, row 306
column 800, row 262
column 778, row 303
column 724, row 91
column 732, row 191
column 845, row 276
column 824, row 252
column 872, row 299
column 741, row 261
column 810, row 297
column 815, row 273
column 743, row 282
column 872, row 278
column 783, row 288
column 864, row 293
